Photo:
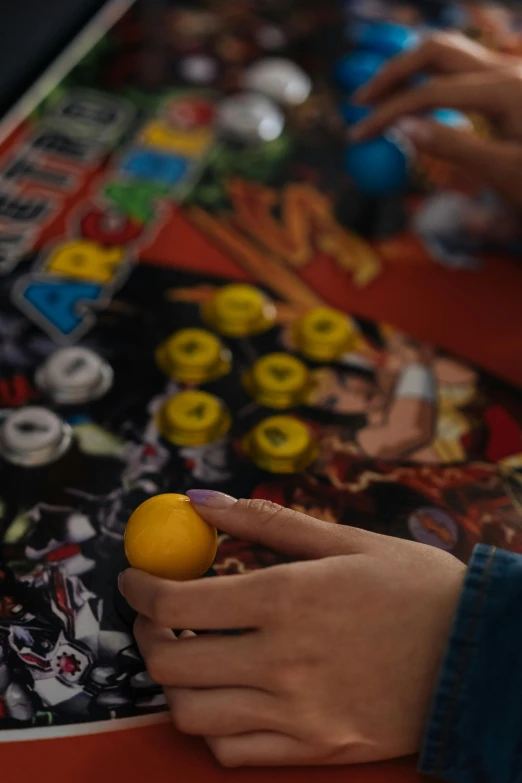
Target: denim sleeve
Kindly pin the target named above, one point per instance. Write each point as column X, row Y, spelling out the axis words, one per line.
column 475, row 732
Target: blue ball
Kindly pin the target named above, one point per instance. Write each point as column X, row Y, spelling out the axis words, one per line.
column 451, row 117
column 354, row 70
column 388, row 38
column 379, row 167
column 351, row 113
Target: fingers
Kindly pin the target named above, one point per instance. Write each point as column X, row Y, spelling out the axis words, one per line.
column 206, row 604
column 396, row 72
column 219, row 712
column 469, row 92
column 490, row 161
column 277, row 528
column 444, row 53
column 201, row 662
column 259, row 749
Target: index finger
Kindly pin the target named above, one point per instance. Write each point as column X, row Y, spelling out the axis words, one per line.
column 395, row 72
column 224, row 602
column 452, row 92
column 443, row 53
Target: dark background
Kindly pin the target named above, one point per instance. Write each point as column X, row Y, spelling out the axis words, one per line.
column 32, row 34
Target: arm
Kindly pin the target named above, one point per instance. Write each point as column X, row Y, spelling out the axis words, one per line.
column 475, row 729
column 410, row 421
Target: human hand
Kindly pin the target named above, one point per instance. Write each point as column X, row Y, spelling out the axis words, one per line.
column 342, row 651
column 468, row 77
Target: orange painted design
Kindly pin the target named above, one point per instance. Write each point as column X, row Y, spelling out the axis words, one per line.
column 307, row 225
column 264, row 268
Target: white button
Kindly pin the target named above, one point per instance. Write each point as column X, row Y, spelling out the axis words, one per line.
column 280, row 79
column 73, row 368
column 250, row 118
column 74, row 375
column 198, row 69
column 31, row 429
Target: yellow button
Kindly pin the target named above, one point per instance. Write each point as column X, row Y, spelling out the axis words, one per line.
column 193, row 356
column 239, row 310
column 193, row 418
column 281, row 444
column 278, row 380
column 167, row 538
column 324, row 334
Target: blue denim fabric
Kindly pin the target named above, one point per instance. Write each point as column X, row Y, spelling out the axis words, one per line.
column 475, row 732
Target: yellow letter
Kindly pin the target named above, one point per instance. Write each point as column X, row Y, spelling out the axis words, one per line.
column 85, row 260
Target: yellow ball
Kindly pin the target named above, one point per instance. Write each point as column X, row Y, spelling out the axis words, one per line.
column 166, row 537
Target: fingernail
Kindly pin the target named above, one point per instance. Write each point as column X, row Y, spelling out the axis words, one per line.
column 210, row 498
column 187, row 635
column 414, row 128
column 120, row 583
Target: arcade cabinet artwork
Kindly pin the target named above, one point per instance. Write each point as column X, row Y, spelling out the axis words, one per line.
column 178, row 237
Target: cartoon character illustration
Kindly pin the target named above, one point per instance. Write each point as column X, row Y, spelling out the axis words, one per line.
column 445, row 416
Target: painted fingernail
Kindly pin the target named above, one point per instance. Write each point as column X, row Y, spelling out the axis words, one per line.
column 120, row 583
column 414, row 128
column 210, row 498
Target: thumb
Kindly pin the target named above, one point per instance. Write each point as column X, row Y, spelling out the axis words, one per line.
column 493, row 162
column 275, row 527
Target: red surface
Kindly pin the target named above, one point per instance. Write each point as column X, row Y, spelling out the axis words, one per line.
column 157, row 754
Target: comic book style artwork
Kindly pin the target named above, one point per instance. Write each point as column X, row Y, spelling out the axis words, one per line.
column 92, row 186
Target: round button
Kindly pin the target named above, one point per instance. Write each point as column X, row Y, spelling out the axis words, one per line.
column 452, row 118
column 239, row 310
column 380, row 167
column 278, row 380
column 324, row 334
column 281, row 444
column 280, row 79
column 250, row 117
column 193, row 356
column 34, row 436
column 388, row 38
column 193, row 418
column 167, row 538
column 356, row 69
column 74, row 375
column 198, row 69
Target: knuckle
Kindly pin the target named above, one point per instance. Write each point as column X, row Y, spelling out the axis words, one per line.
column 268, row 514
column 264, row 508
